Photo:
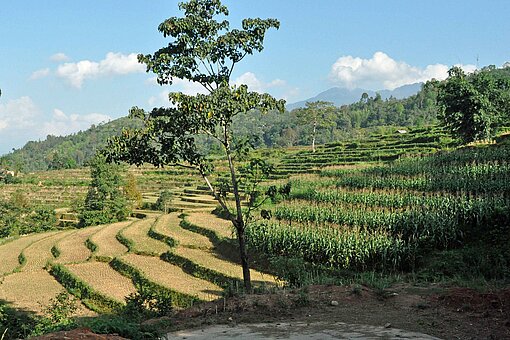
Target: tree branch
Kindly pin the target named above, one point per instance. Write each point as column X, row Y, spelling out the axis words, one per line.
column 217, row 197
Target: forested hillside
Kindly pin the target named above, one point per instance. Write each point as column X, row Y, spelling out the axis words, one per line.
column 63, row 152
column 269, row 130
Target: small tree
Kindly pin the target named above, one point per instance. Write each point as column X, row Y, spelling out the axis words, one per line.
column 319, row 115
column 105, row 201
column 133, row 194
column 203, row 50
column 472, row 106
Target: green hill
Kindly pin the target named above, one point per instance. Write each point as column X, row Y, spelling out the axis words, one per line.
column 346, row 124
column 66, row 152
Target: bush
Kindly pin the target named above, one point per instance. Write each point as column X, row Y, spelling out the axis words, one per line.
column 148, row 302
column 57, row 315
column 105, row 202
column 121, row 325
column 15, row 324
column 18, row 218
column 164, row 201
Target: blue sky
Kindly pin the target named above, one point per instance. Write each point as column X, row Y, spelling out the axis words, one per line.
column 67, row 64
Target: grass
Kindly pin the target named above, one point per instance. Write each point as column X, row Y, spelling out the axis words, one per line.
column 9, row 252
column 173, row 277
column 103, row 279
column 106, row 242
column 73, row 249
column 137, row 233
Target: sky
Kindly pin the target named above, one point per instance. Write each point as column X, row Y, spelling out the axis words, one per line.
column 65, row 65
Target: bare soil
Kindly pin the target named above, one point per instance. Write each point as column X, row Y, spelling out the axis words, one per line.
column 81, row 333
column 448, row 313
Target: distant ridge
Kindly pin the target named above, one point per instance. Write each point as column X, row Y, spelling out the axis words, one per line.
column 342, row 96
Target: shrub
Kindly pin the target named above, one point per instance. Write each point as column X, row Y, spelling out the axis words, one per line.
column 105, row 202
column 164, row 201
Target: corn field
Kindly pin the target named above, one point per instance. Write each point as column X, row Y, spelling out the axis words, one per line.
column 386, row 216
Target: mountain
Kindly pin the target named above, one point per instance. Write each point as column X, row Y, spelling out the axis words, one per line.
column 342, row 96
column 64, row 152
column 269, row 129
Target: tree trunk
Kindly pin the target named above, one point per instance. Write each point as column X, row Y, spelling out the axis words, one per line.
column 313, row 134
column 239, row 221
column 244, row 258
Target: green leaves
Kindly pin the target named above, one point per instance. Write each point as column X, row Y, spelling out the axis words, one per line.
column 168, row 135
column 105, row 202
column 203, row 49
column 472, row 106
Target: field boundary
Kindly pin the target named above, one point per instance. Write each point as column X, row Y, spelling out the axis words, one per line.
column 92, row 299
column 140, row 281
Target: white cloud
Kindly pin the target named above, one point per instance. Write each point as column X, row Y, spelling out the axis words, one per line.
column 40, row 74
column 21, row 120
column 191, row 88
column 160, row 100
column 179, row 85
column 59, row 57
column 18, row 114
column 62, row 124
column 255, row 84
column 383, row 72
column 113, row 64
column 187, row 87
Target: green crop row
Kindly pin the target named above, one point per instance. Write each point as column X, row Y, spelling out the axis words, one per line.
column 441, row 224
column 355, row 248
column 177, row 299
column 90, row 298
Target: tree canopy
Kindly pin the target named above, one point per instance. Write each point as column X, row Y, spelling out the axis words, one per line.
column 202, row 49
column 472, row 106
column 319, row 115
column 105, row 201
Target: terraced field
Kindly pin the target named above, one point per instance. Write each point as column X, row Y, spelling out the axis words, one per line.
column 73, row 249
column 39, row 253
column 32, row 291
column 103, row 279
column 179, row 253
column 137, row 236
column 26, row 281
column 105, row 240
column 173, row 277
column 221, row 227
column 9, row 252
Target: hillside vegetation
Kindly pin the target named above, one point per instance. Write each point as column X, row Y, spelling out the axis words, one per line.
column 391, row 204
column 269, row 130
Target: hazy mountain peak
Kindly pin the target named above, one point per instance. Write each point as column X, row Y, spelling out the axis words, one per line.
column 343, row 96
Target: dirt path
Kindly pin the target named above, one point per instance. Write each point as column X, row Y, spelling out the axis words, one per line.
column 297, row 331
column 353, row 311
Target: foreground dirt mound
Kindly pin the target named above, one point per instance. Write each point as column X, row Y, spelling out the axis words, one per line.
column 448, row 313
column 81, row 333
column 443, row 312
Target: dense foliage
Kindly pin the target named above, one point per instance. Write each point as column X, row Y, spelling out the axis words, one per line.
column 473, row 106
column 64, row 152
column 19, row 217
column 105, row 201
column 396, row 216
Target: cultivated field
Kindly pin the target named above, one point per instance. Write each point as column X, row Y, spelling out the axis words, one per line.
column 348, row 208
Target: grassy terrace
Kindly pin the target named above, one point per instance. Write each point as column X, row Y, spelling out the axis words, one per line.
column 348, row 209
